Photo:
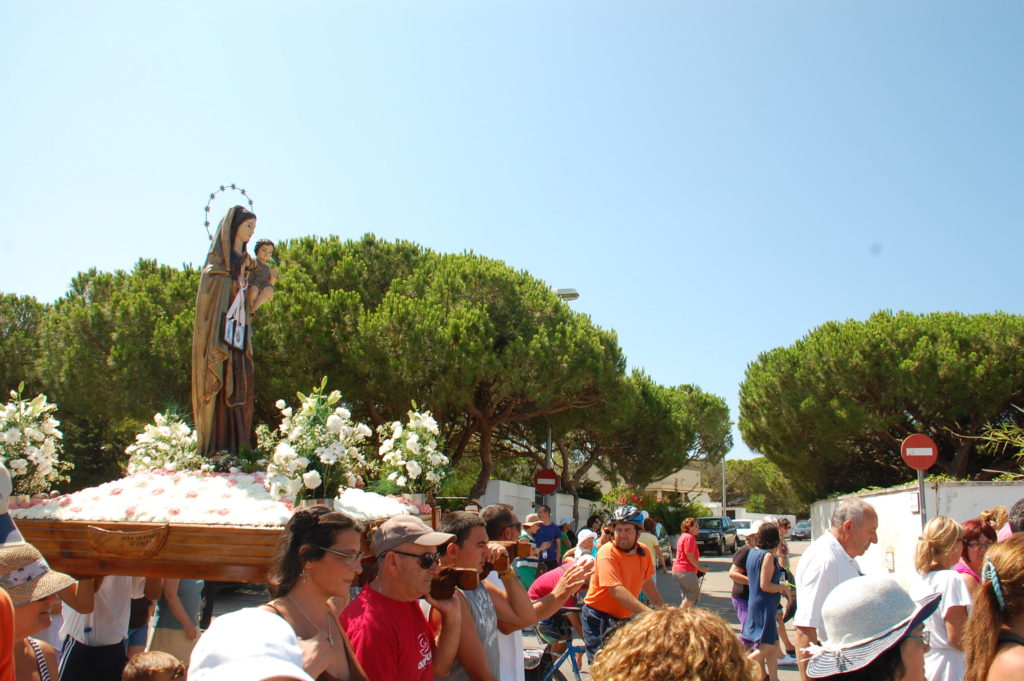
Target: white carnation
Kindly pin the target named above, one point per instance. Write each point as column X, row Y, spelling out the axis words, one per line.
column 312, row 480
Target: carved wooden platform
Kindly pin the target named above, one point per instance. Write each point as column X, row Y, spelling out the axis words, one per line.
column 214, row 552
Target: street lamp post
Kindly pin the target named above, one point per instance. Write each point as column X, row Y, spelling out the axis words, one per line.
column 550, row 500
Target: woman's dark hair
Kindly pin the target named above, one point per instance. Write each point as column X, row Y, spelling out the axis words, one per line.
column 768, row 536
column 594, row 519
column 886, row 667
column 241, row 215
column 305, row 533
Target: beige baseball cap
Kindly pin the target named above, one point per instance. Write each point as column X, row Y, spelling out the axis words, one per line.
column 400, row 529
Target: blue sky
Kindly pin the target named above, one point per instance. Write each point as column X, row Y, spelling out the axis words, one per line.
column 716, row 178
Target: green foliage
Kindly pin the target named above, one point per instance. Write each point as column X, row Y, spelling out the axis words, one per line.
column 832, row 409
column 20, row 319
column 757, row 484
column 490, row 350
column 670, row 509
column 113, row 351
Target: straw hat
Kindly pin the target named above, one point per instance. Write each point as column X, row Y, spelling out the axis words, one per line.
column 26, row 576
column 864, row 617
column 532, row 519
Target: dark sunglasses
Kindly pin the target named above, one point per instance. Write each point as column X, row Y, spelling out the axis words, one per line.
column 426, row 560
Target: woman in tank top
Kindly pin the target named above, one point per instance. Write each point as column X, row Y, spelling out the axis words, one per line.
column 317, row 561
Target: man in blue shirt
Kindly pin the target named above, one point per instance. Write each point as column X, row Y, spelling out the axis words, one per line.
column 548, row 532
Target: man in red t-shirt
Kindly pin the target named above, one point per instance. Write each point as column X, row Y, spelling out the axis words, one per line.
column 389, row 633
column 622, row 570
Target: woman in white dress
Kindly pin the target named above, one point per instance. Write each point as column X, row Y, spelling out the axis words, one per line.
column 938, row 551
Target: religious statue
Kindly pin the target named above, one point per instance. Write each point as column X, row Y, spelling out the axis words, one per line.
column 222, row 367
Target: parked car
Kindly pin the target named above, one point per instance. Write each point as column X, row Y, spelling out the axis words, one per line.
column 744, row 526
column 717, row 534
column 802, row 530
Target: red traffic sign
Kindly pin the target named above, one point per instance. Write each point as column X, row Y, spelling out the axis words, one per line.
column 545, row 481
column 919, row 451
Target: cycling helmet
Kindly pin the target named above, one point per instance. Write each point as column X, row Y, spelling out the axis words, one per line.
column 628, row 514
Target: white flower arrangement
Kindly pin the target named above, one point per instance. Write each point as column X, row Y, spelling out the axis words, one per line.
column 166, row 444
column 316, row 450
column 30, row 443
column 409, row 453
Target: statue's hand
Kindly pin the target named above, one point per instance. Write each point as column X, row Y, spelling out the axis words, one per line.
column 273, row 275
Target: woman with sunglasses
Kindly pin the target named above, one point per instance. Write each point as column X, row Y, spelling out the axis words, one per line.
column 978, row 536
column 317, row 561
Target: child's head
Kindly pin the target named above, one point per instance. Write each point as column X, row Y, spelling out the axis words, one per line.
column 264, row 250
column 153, row 666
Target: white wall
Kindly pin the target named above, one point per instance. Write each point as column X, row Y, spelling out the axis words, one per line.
column 899, row 519
column 521, row 498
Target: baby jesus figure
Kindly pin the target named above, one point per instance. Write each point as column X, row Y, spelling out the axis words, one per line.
column 262, row 277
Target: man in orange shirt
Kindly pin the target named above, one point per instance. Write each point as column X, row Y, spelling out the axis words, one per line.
column 622, row 570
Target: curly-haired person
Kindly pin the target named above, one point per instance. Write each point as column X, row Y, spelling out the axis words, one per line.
column 675, row 644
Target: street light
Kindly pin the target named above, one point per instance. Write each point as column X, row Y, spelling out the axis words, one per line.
column 551, row 500
column 567, row 293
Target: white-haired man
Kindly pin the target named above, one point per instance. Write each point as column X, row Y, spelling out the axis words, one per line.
column 828, row 562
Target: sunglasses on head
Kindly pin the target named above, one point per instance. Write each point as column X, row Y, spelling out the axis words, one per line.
column 426, row 560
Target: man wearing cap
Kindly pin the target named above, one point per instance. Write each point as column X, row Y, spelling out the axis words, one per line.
column 502, row 524
column 827, row 563
column 389, row 633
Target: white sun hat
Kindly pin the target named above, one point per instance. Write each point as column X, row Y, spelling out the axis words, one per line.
column 864, row 617
column 251, row 644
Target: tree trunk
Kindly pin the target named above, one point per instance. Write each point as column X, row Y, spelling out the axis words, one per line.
column 486, row 462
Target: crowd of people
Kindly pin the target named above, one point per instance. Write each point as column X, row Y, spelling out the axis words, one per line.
column 452, row 603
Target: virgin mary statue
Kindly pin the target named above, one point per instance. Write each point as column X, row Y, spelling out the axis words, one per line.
column 222, row 369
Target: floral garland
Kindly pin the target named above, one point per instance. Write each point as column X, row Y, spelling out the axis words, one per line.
column 315, row 451
column 30, row 443
column 409, row 453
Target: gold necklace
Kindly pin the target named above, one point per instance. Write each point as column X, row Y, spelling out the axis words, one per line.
column 330, row 639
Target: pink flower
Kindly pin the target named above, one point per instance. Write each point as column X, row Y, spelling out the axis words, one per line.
column 232, row 482
column 158, row 491
column 173, row 511
column 130, row 511
column 114, row 492
column 192, row 494
column 75, row 509
column 64, row 501
column 223, row 511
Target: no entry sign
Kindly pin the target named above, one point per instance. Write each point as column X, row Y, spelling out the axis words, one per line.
column 919, row 451
column 545, row 481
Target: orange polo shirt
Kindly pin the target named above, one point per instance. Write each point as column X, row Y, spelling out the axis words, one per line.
column 613, row 567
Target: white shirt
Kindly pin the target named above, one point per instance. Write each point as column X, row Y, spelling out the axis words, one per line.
column 107, row 624
column 942, row 662
column 823, row 566
column 510, row 646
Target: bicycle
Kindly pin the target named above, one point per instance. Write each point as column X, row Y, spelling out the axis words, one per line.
column 543, row 665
